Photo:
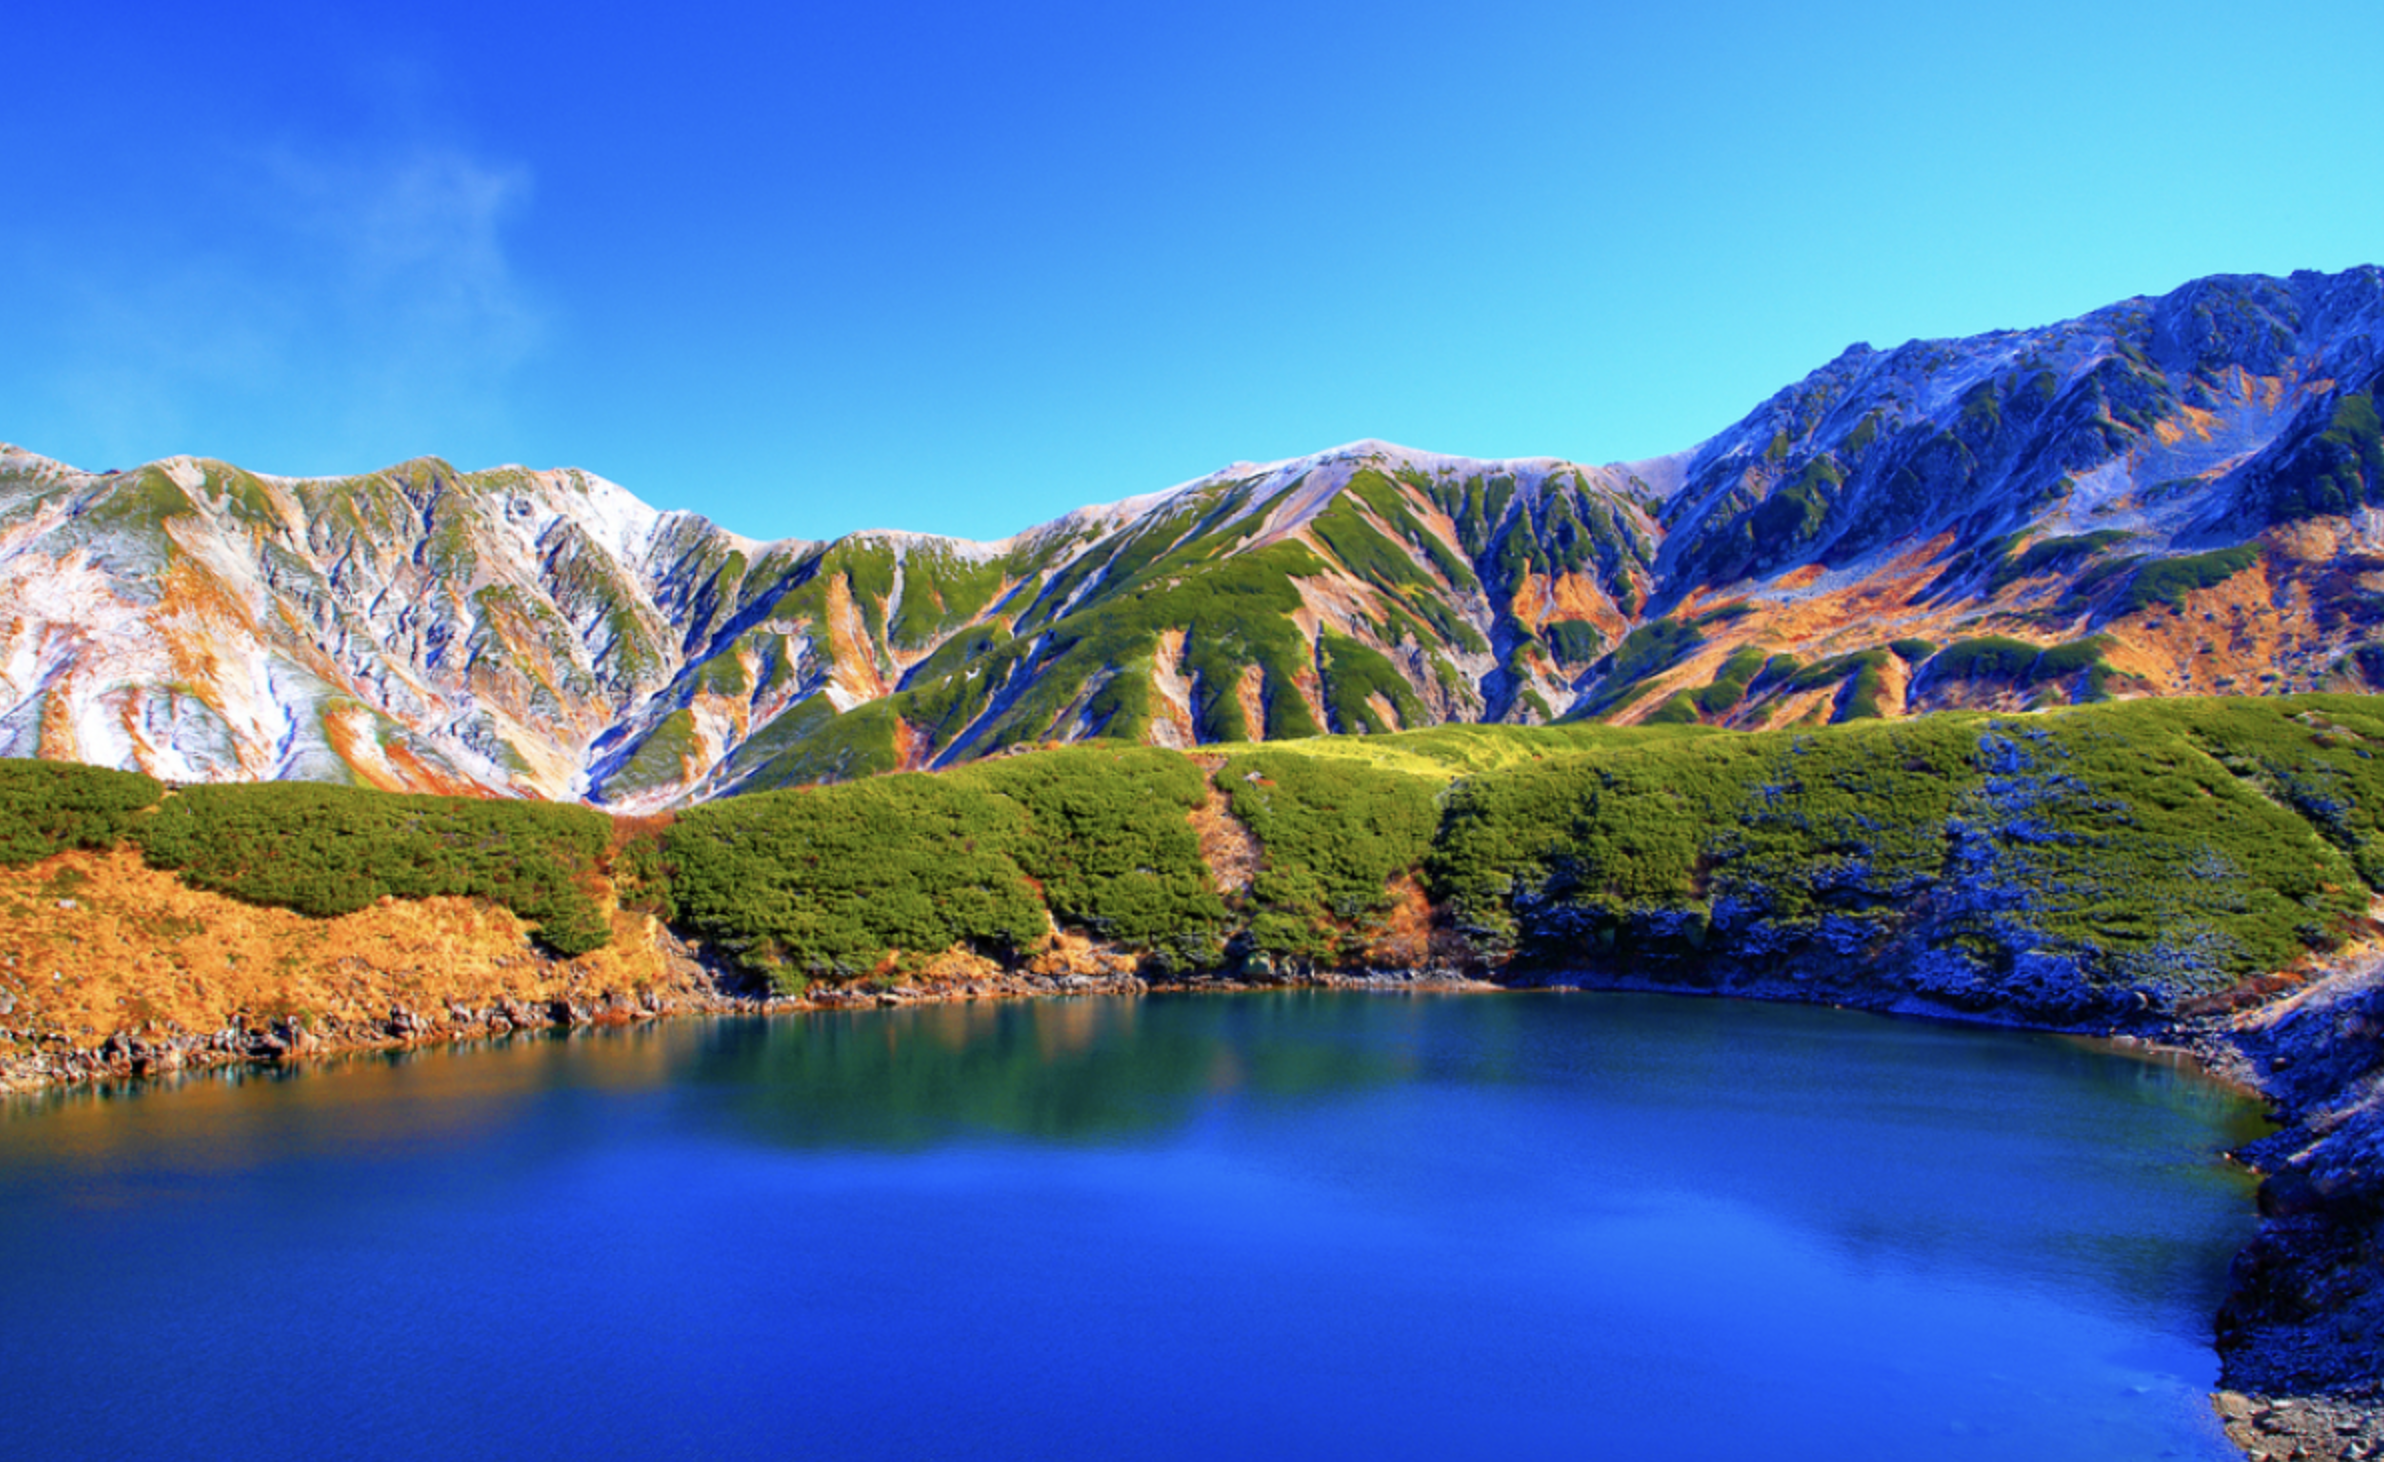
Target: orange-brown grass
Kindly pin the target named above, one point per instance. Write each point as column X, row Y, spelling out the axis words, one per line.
column 1171, row 708
column 2169, row 431
column 2260, row 622
column 395, row 767
column 849, row 649
column 1530, row 602
column 1403, row 940
column 421, row 776
column 58, row 740
column 1344, row 606
column 197, row 616
column 1895, row 685
column 1691, row 674
column 534, row 669
column 1806, row 626
column 1541, row 599
column 1578, row 596
column 910, row 746
column 1072, row 952
column 1250, row 691
column 1309, row 687
column 1226, row 844
column 101, row 942
column 1437, row 523
column 1811, row 706
column 637, row 828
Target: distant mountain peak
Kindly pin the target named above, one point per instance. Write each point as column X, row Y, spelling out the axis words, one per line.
column 2173, row 493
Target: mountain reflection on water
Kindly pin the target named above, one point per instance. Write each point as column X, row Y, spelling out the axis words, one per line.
column 1059, row 1071
column 1410, row 1226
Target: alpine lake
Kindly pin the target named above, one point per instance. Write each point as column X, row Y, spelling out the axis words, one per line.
column 1306, row 1224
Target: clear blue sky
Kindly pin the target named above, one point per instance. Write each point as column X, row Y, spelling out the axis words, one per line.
column 828, row 266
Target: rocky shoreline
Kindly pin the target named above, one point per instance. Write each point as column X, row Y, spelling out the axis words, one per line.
column 31, row 1061
column 2299, row 1338
column 2301, row 1335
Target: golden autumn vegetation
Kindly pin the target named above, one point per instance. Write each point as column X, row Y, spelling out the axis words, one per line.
column 101, row 942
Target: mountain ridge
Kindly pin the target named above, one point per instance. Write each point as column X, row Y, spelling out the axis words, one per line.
column 2170, row 494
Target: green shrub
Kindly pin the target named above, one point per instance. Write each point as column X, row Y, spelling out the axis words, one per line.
column 827, row 882
column 1990, row 657
column 2172, row 846
column 1861, row 678
column 1722, row 695
column 49, row 807
column 1109, row 837
column 1996, row 659
column 1647, row 651
column 1353, row 675
column 830, row 882
column 325, row 851
column 1335, row 834
column 2169, row 580
column 2050, row 555
column 1574, row 641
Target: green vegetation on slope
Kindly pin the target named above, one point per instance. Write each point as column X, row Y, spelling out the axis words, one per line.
column 2076, row 864
column 827, row 882
column 1445, row 753
column 1110, row 842
column 2336, row 469
column 2168, row 580
column 1093, row 665
column 1861, row 678
column 1336, row 833
column 1354, row 676
column 325, row 851
column 2000, row 660
column 832, row 882
column 1722, row 696
column 49, row 807
column 2050, row 555
column 2068, row 860
column 1647, row 651
column 663, row 759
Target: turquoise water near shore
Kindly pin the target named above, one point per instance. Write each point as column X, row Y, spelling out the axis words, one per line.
column 1306, row 1224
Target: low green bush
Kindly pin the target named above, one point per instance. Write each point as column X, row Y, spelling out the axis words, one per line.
column 48, row 807
column 826, row 882
column 2168, row 580
column 1335, row 834
column 325, row 851
column 2164, row 845
column 831, row 882
column 1109, row 839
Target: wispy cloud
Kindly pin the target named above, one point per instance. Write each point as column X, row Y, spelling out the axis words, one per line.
column 346, row 306
column 415, row 276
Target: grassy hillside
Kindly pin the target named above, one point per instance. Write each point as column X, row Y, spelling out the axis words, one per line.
column 2071, row 865
column 2076, row 863
column 318, row 850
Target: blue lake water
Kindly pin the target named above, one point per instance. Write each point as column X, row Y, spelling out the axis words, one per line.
column 1300, row 1225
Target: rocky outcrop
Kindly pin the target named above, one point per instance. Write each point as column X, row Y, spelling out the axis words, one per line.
column 2302, row 1333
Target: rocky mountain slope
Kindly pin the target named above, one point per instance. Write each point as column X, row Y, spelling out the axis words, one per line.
column 2169, row 495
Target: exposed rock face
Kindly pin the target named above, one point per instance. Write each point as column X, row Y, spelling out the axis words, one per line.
column 2169, row 495
column 2305, row 1319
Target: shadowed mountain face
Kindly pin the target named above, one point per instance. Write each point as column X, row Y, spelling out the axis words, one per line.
column 2169, row 495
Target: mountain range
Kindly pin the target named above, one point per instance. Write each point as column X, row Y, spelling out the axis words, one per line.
column 2170, row 495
